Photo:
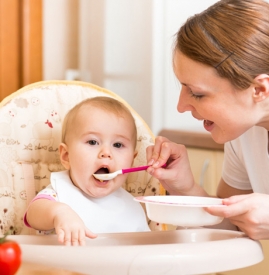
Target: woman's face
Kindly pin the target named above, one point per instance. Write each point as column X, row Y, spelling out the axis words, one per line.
column 226, row 112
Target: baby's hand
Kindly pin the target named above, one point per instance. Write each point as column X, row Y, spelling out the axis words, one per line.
column 70, row 228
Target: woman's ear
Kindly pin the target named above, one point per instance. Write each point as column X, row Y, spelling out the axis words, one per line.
column 64, row 157
column 261, row 90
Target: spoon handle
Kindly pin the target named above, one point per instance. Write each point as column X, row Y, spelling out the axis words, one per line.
column 135, row 169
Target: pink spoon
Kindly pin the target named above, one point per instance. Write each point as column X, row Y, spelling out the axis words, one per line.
column 111, row 176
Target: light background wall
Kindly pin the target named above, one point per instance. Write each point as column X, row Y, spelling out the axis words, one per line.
column 124, row 46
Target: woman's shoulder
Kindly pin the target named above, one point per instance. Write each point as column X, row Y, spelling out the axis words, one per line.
column 253, row 141
column 255, row 134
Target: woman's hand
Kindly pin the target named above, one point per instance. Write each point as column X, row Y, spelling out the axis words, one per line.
column 69, row 227
column 250, row 213
column 177, row 176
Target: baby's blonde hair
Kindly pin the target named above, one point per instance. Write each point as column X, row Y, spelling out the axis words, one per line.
column 108, row 104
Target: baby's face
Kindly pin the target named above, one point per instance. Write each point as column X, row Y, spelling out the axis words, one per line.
column 99, row 140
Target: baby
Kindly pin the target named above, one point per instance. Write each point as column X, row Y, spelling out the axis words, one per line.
column 98, row 136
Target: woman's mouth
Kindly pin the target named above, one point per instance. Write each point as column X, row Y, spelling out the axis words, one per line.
column 208, row 125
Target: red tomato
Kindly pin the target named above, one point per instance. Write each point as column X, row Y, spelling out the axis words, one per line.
column 10, row 256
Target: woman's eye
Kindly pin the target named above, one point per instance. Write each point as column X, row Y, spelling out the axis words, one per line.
column 92, row 142
column 118, row 145
column 196, row 96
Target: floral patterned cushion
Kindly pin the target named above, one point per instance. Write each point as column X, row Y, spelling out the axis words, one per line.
column 30, row 132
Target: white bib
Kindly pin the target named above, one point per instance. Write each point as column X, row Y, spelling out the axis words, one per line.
column 117, row 212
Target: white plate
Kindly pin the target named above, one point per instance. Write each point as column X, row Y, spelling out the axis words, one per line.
column 187, row 211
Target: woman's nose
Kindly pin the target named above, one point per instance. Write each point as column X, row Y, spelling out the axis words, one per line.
column 183, row 104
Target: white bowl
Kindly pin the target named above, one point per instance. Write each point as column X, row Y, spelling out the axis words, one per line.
column 187, row 211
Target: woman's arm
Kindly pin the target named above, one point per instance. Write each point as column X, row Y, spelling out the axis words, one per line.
column 225, row 191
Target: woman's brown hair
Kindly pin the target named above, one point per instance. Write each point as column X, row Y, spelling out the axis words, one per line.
column 232, row 36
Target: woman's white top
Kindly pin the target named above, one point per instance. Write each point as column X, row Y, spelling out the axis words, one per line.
column 246, row 161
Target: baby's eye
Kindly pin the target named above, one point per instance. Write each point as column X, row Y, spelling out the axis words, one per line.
column 92, row 142
column 118, row 145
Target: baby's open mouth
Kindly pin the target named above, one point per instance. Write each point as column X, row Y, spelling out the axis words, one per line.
column 102, row 170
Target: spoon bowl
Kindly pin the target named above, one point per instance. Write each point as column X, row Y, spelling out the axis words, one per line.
column 111, row 176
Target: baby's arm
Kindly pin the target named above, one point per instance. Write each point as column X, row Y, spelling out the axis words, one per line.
column 45, row 214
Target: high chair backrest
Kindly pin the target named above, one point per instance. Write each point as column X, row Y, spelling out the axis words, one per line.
column 30, row 132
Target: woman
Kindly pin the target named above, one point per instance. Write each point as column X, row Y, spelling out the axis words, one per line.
column 221, row 59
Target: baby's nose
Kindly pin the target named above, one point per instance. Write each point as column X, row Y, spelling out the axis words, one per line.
column 105, row 153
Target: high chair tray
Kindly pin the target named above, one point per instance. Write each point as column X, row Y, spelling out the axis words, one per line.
column 185, row 251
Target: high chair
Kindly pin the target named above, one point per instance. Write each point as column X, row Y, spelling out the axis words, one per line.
column 30, row 132
column 30, row 127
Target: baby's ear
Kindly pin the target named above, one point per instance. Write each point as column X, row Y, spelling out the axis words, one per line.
column 64, row 156
column 135, row 153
